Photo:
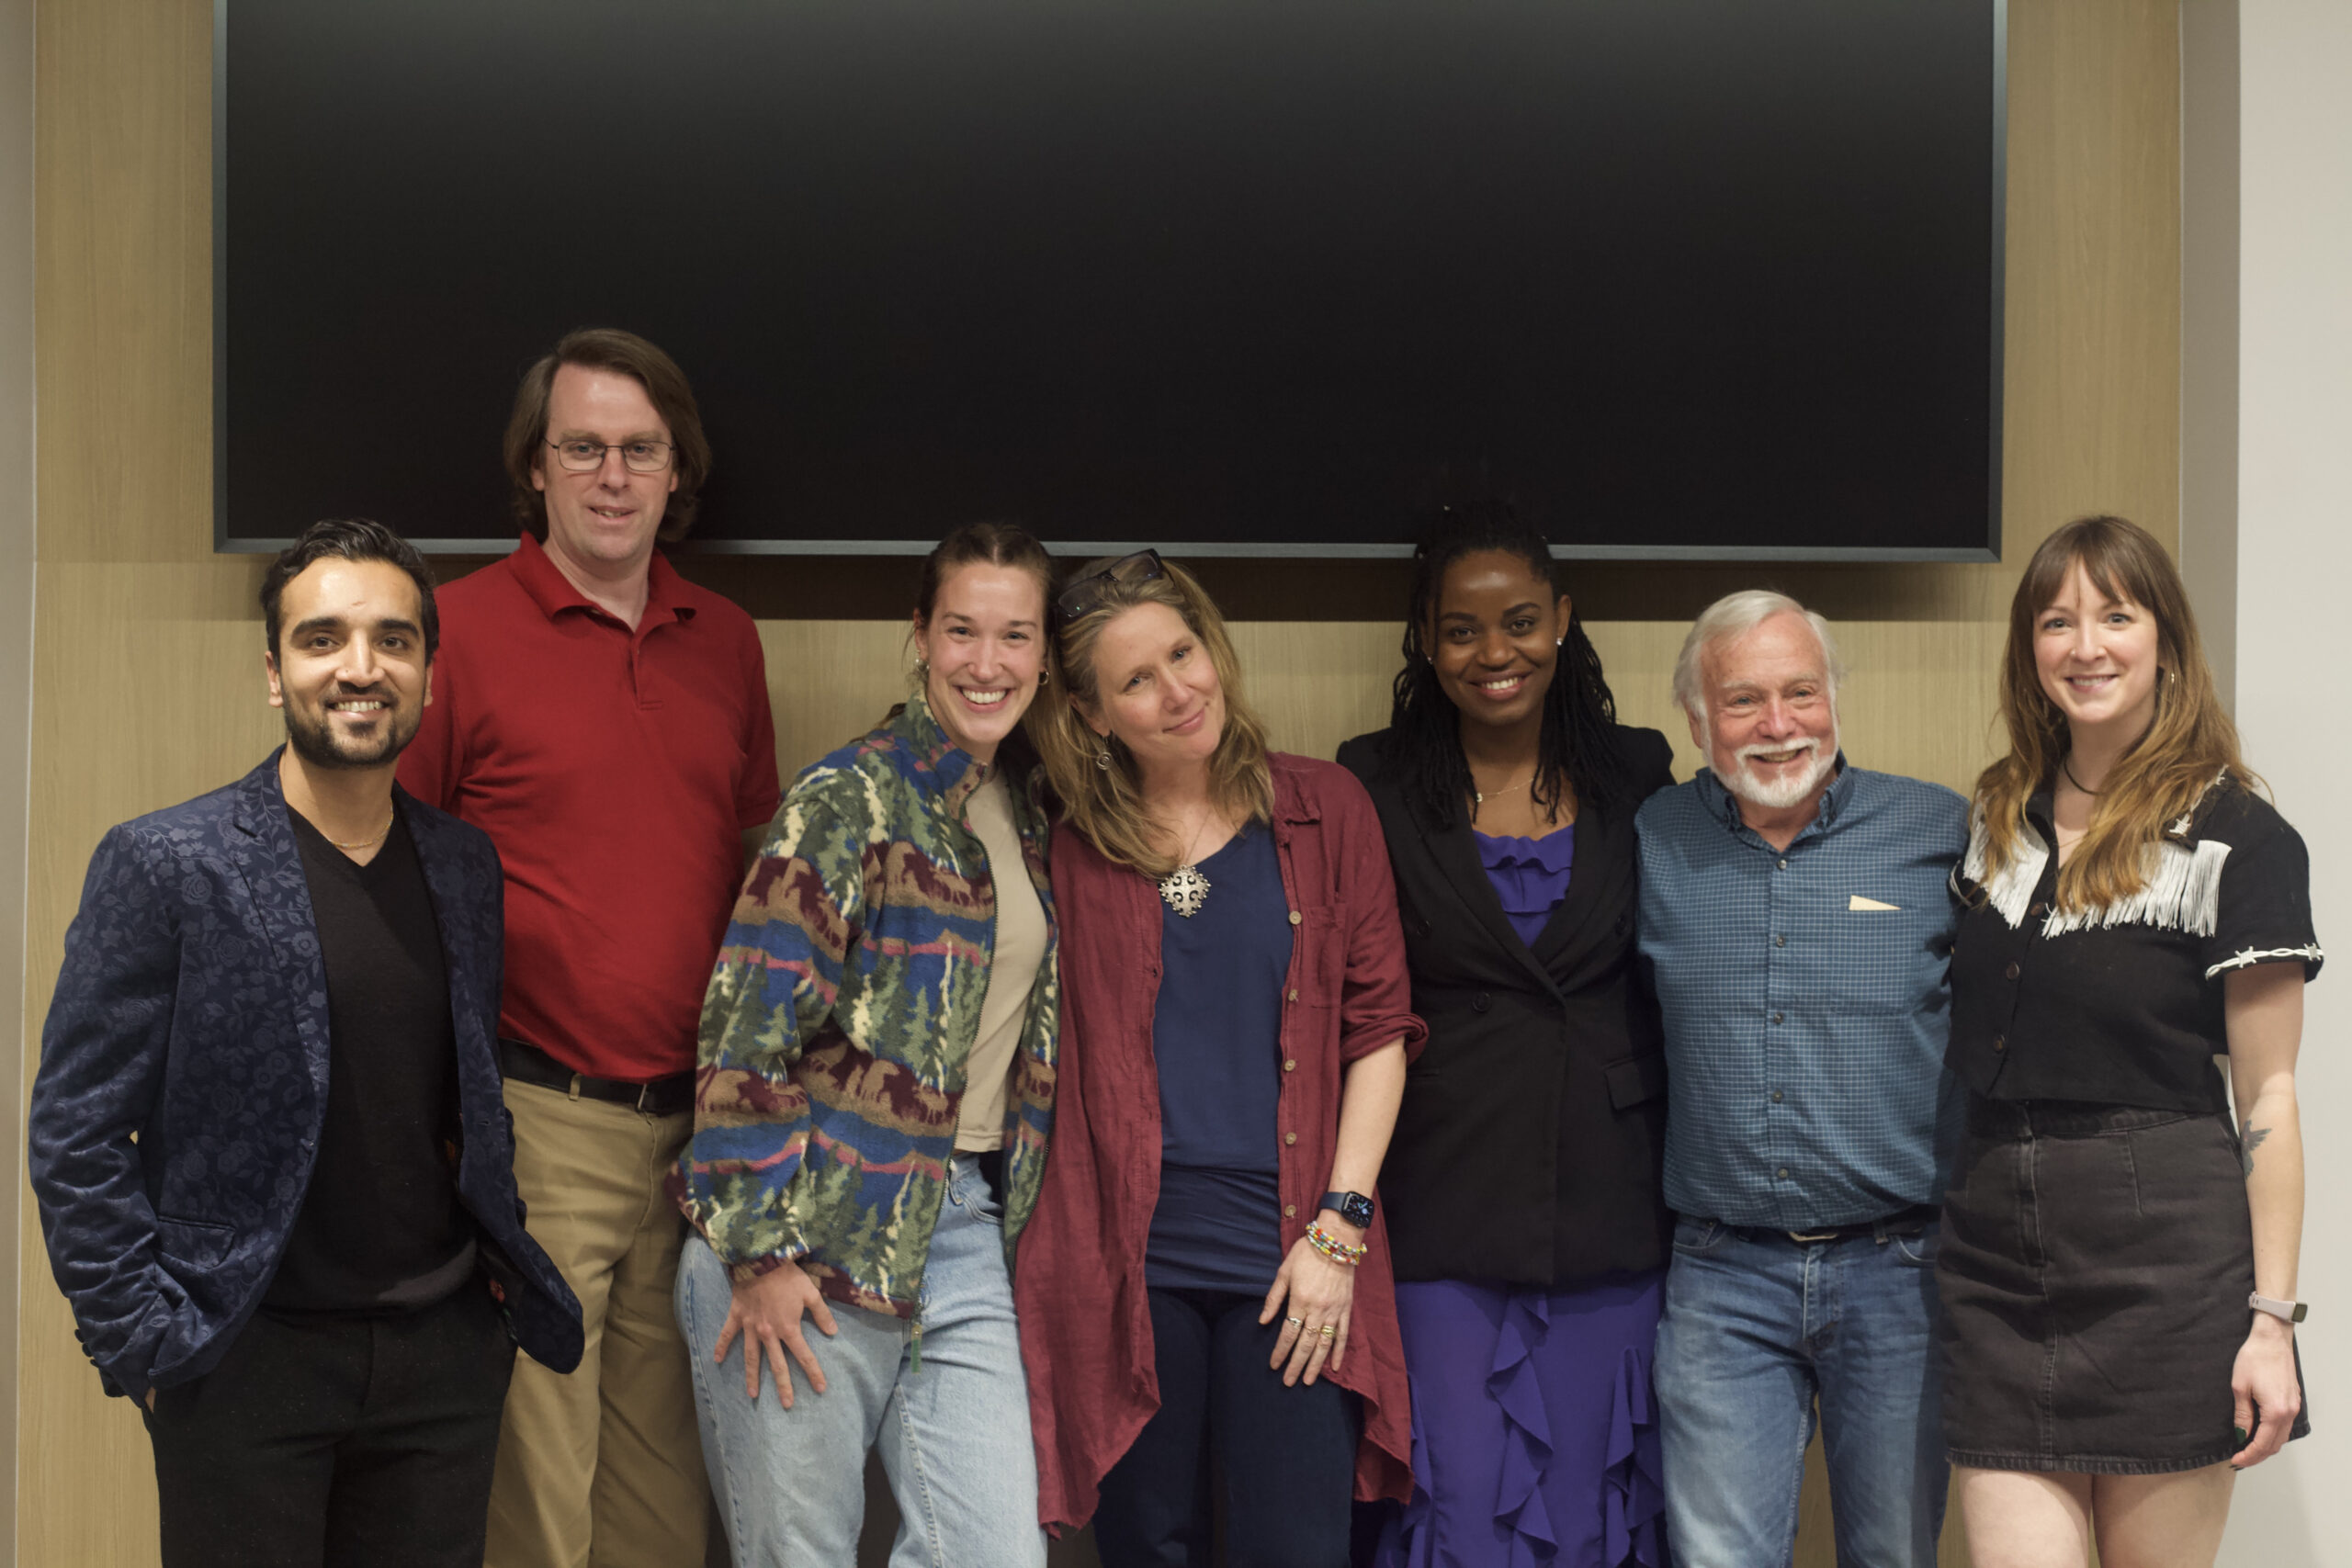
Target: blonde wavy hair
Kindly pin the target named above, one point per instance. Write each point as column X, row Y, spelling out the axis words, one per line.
column 2189, row 744
column 1105, row 802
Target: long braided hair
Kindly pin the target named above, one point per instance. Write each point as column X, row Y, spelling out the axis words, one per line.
column 1577, row 744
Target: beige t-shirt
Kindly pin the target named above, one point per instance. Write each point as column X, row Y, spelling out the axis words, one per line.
column 1012, row 971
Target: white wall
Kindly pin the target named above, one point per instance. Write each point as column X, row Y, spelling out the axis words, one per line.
column 2294, row 588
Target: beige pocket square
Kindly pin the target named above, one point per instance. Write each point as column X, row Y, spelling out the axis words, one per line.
column 1858, row 902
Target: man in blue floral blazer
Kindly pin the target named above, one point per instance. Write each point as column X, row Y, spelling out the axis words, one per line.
column 267, row 1136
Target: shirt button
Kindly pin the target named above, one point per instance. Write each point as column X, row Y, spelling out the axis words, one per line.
column 1776, row 1018
column 2000, row 1043
column 1290, row 1211
column 1784, row 1173
column 1294, row 996
column 1289, row 1138
column 1776, row 1097
column 1780, row 941
column 1295, row 917
column 2010, row 973
column 1784, row 864
column 1290, row 1064
column 1481, row 1002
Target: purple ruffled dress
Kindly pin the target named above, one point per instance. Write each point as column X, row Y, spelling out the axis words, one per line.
column 1536, row 1438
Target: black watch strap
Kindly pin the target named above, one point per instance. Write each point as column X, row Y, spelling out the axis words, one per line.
column 1352, row 1207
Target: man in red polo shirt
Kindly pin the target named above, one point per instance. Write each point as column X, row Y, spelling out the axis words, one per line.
column 607, row 724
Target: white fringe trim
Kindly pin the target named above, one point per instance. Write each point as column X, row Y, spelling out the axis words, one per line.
column 2181, row 884
column 2180, row 891
column 2247, row 955
column 2012, row 891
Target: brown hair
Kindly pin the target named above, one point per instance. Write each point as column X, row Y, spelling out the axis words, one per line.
column 624, row 354
column 1104, row 802
column 2188, row 743
column 983, row 544
column 1009, row 545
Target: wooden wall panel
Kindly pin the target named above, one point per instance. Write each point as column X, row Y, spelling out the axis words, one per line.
column 147, row 686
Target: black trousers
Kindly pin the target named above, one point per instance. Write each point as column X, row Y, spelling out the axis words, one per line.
column 1289, row 1454
column 337, row 1442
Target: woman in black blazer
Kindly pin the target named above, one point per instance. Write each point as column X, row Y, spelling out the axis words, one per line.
column 1525, row 1218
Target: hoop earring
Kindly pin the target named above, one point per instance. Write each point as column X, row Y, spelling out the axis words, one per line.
column 1042, row 675
column 922, row 672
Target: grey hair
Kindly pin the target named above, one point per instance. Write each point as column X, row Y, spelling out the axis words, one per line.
column 1734, row 616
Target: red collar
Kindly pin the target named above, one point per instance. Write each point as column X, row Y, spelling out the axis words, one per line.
column 554, row 593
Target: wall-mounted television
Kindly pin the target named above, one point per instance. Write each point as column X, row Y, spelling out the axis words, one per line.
column 1688, row 279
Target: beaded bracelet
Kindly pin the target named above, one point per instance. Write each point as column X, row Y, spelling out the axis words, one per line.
column 1335, row 1249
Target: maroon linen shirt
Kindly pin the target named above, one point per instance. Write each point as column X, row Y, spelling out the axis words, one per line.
column 1085, row 1320
column 614, row 770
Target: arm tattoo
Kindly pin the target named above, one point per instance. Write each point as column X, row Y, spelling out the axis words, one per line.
column 2246, row 1145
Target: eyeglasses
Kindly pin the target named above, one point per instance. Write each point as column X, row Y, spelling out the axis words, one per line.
column 587, row 457
column 1085, row 596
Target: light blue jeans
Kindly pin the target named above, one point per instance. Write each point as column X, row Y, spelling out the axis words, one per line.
column 953, row 1436
column 1754, row 1330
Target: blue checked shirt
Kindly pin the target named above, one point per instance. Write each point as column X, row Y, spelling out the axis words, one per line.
column 1806, row 999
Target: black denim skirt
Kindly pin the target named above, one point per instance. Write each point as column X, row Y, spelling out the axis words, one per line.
column 2094, row 1269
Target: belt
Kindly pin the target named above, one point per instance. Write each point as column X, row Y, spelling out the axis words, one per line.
column 667, row 1096
column 1903, row 1222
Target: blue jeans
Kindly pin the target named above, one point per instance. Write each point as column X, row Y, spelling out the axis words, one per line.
column 1756, row 1327
column 953, row 1436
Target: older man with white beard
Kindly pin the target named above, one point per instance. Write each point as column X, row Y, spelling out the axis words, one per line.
column 1797, row 924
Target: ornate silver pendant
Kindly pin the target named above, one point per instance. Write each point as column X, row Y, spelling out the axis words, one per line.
column 1184, row 890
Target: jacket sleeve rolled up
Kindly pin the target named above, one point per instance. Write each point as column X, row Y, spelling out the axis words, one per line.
column 1377, row 995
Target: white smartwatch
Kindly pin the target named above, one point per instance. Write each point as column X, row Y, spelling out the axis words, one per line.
column 2284, row 1312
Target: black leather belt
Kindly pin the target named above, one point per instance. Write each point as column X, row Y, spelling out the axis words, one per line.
column 1903, row 1222
column 666, row 1095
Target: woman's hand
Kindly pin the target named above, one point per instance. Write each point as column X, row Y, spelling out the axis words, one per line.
column 766, row 1312
column 2264, row 1383
column 1319, row 1293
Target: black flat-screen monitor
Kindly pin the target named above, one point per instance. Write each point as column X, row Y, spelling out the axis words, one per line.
column 1687, row 278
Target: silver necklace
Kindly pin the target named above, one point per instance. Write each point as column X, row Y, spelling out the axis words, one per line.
column 1184, row 889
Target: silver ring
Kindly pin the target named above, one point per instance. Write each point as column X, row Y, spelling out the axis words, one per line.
column 1300, row 1321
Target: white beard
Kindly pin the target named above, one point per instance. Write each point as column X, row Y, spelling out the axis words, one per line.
column 1780, row 794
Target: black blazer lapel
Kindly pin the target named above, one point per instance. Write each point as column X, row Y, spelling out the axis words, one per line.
column 1456, row 855
column 261, row 843
column 1597, row 834
column 468, row 951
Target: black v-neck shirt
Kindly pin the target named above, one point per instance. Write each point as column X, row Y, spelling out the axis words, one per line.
column 380, row 1228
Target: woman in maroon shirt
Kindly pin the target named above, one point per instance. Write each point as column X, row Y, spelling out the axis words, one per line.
column 1205, row 1268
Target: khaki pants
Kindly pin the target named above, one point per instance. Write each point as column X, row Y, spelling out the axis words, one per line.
column 602, row 1466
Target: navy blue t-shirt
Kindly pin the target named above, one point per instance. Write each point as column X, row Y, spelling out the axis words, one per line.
column 1216, row 1038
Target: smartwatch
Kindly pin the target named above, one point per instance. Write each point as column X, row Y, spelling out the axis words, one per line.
column 1352, row 1207
column 2284, row 1312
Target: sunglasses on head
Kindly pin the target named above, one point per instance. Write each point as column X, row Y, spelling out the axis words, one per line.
column 1086, row 596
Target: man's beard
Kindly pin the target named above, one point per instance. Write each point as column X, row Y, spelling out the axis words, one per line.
column 314, row 739
column 1780, row 794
